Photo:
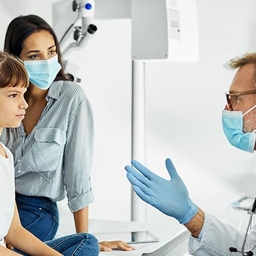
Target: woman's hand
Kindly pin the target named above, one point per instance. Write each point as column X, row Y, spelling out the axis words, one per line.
column 106, row 246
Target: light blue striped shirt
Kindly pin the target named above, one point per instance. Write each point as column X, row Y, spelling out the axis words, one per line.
column 55, row 159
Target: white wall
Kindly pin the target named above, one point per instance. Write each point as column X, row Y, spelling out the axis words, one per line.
column 184, row 103
column 11, row 9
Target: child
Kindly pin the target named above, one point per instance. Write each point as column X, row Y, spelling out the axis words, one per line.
column 13, row 84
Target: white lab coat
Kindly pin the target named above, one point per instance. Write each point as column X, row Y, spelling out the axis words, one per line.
column 218, row 237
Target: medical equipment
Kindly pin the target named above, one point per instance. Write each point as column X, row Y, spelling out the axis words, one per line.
column 248, row 253
column 82, row 34
column 78, row 20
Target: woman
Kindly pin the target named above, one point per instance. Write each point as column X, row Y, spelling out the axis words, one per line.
column 13, row 84
column 53, row 146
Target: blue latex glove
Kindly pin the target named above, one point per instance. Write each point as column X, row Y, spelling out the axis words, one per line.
column 168, row 196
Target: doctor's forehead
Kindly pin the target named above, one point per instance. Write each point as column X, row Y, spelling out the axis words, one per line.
column 244, row 78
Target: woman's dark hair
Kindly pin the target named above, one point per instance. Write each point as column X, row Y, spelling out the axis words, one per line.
column 23, row 26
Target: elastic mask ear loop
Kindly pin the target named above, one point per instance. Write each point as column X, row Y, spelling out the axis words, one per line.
column 254, row 131
column 253, row 107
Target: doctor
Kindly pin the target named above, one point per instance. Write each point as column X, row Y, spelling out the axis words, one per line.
column 209, row 236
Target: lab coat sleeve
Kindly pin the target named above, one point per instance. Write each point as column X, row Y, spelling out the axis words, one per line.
column 217, row 237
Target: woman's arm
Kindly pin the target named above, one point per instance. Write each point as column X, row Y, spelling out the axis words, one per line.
column 81, row 220
column 78, row 154
column 78, row 161
column 26, row 242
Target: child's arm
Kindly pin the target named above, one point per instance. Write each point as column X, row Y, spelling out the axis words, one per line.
column 6, row 252
column 26, row 242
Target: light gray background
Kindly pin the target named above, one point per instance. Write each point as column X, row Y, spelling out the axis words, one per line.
column 183, row 105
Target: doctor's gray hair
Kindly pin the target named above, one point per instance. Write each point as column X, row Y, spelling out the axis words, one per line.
column 242, row 60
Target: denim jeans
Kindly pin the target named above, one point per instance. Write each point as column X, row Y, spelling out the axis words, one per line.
column 82, row 244
column 39, row 215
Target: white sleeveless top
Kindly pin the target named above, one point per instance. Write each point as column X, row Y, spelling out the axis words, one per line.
column 7, row 193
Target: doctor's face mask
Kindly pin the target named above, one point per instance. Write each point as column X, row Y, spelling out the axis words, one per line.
column 232, row 124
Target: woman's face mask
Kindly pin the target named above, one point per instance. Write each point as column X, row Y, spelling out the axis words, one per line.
column 232, row 124
column 42, row 72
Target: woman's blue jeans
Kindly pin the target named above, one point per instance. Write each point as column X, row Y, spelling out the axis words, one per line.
column 39, row 215
column 74, row 245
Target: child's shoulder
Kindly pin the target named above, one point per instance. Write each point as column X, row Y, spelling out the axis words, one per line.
column 5, row 152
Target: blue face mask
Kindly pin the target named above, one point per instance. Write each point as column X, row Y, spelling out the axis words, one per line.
column 42, row 72
column 232, row 124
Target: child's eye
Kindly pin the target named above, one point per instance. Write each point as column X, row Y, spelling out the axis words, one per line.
column 13, row 95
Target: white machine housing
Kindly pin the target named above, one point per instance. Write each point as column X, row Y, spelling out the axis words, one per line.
column 164, row 29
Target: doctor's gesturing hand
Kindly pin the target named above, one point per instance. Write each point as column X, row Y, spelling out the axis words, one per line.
column 169, row 196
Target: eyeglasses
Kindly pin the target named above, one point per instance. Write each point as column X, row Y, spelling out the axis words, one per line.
column 233, row 97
